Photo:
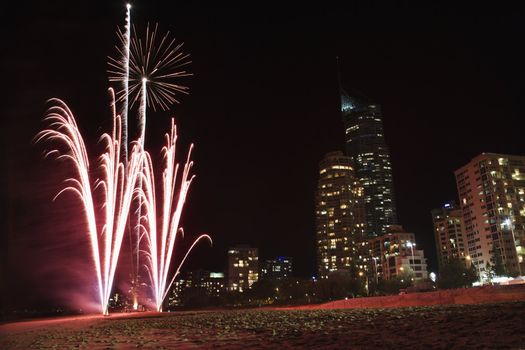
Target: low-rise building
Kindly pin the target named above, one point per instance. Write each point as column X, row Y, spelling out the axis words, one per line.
column 395, row 254
column 200, row 282
column 276, row 269
column 449, row 233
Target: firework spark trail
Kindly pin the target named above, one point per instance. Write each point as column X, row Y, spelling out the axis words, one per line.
column 124, row 62
column 142, row 140
column 159, row 249
column 117, row 185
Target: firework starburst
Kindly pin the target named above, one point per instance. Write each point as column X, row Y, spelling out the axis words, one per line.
column 158, row 59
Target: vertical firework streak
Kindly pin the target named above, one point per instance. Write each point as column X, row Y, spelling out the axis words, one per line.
column 142, row 140
column 126, row 42
column 159, row 249
column 122, row 64
column 117, row 185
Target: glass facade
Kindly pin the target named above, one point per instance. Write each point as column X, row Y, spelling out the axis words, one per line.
column 365, row 145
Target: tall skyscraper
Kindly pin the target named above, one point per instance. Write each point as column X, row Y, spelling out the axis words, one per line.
column 243, row 267
column 449, row 233
column 365, row 145
column 339, row 215
column 491, row 190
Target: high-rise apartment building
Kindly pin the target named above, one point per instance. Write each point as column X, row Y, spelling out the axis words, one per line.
column 491, row 190
column 243, row 268
column 449, row 233
column 365, row 145
column 276, row 269
column 339, row 215
column 395, row 253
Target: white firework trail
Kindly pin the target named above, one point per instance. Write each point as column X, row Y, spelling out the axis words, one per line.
column 125, row 109
column 159, row 245
column 117, row 185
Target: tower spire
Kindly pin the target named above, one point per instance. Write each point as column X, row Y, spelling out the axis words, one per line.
column 339, row 84
column 338, row 71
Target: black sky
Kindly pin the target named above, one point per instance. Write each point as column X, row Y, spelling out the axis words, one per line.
column 263, row 109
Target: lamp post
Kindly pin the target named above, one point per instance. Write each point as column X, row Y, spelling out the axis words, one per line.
column 375, row 266
column 509, row 224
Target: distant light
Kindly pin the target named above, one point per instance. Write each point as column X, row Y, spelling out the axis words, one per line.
column 501, row 279
column 447, row 205
column 433, row 277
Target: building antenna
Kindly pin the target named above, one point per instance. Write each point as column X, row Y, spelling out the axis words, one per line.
column 338, row 71
column 356, row 93
column 339, row 85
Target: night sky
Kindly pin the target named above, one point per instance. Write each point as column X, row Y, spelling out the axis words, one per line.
column 263, row 110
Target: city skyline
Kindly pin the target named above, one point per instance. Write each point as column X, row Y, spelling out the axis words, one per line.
column 263, row 110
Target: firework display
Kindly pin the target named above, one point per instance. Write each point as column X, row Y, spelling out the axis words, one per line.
column 146, row 70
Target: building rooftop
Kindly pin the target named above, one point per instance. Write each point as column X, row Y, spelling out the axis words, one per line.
column 353, row 103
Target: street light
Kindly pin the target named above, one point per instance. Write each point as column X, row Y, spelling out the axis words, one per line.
column 375, row 266
column 508, row 222
column 361, row 274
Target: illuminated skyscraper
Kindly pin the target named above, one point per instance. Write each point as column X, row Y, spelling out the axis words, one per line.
column 339, row 216
column 491, row 190
column 365, row 145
